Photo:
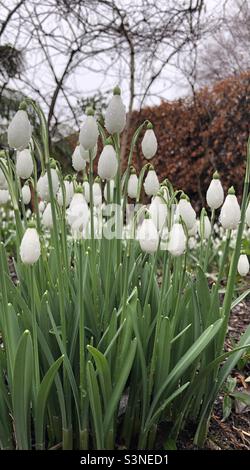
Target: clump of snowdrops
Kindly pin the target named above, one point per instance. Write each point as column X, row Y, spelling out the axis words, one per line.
column 107, row 331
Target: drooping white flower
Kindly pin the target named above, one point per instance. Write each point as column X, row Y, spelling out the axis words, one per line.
column 78, row 161
column 97, row 193
column 85, row 153
column 24, row 164
column 186, row 212
column 148, row 236
column 78, row 214
column 230, row 211
column 193, row 230
column 177, row 240
column 108, row 163
column 115, row 117
column 86, row 190
column 205, row 227
column 151, row 183
column 3, row 180
column 243, row 265
column 215, row 193
column 164, row 235
column 248, row 215
column 4, row 196
column 111, row 189
column 47, row 219
column 89, row 131
column 26, row 194
column 132, row 185
column 159, row 212
column 69, row 192
column 149, row 143
column 30, row 248
column 43, row 185
column 19, row 130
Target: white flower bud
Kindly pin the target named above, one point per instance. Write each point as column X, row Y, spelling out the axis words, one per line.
column 78, row 214
column 19, row 131
column 230, row 212
column 69, row 192
column 26, row 194
column 108, row 163
column 187, row 213
column 85, row 153
column 243, row 265
column 215, row 193
column 205, row 227
column 193, row 230
column 86, row 190
column 177, row 240
column 248, row 215
column 151, row 183
column 43, row 185
column 159, row 212
column 89, row 132
column 111, row 190
column 47, row 219
column 97, row 194
column 115, row 117
column 24, row 164
column 132, row 186
column 149, row 144
column 78, row 162
column 4, row 196
column 148, row 236
column 30, row 248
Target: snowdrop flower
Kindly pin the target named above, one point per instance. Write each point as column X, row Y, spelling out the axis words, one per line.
column 191, row 243
column 4, row 196
column 193, row 230
column 43, row 185
column 248, row 215
column 230, row 211
column 19, row 130
column 78, row 213
column 26, row 194
column 159, row 212
column 78, row 161
column 132, row 184
column 205, row 227
column 177, row 240
column 108, row 163
column 111, row 188
column 148, row 236
column 86, row 190
column 47, row 219
column 243, row 265
column 97, row 192
column 149, row 143
column 41, row 206
column 164, row 239
column 215, row 193
column 89, row 131
column 30, row 248
column 115, row 117
column 24, row 164
column 151, row 183
column 85, row 153
column 69, row 192
column 186, row 212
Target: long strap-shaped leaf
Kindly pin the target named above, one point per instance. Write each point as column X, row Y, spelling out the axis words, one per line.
column 42, row 398
column 185, row 362
column 22, row 381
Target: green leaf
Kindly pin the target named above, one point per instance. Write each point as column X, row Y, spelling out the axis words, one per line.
column 95, row 404
column 42, row 398
column 22, row 382
column 104, row 373
column 240, row 298
column 227, row 407
column 241, row 396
